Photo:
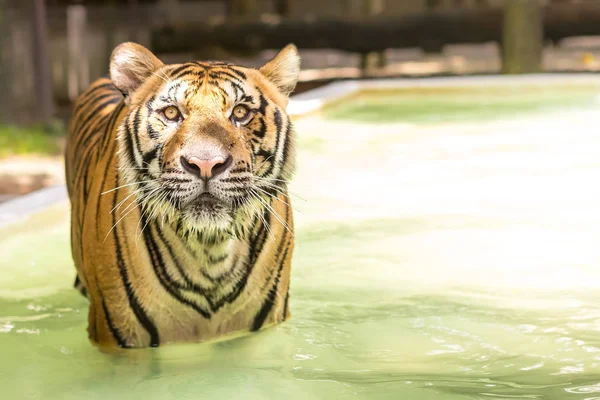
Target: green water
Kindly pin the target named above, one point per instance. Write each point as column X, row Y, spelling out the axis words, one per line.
column 434, row 105
column 446, row 261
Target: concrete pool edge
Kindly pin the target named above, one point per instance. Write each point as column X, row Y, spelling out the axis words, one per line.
column 21, row 207
column 315, row 99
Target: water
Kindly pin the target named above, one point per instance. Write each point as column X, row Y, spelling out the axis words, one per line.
column 447, row 261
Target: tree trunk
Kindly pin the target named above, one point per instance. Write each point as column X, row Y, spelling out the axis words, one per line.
column 4, row 67
column 43, row 79
column 133, row 9
column 170, row 10
column 523, row 37
column 78, row 68
column 372, row 60
column 283, row 7
column 110, row 29
column 240, row 8
column 432, row 4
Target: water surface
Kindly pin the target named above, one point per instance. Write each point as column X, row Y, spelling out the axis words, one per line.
column 433, row 261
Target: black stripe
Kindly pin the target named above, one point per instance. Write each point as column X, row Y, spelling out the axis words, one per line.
column 224, row 74
column 284, row 236
column 262, row 130
column 108, row 133
column 224, row 93
column 134, row 303
column 277, row 120
column 238, row 88
column 86, row 175
column 260, row 318
column 285, row 304
column 150, row 129
column 83, row 140
column 158, row 265
column 262, row 315
column 262, row 107
column 86, row 97
column 232, row 295
column 217, row 260
column 237, row 179
column 85, row 126
column 180, row 68
column 113, row 329
column 149, row 156
column 136, row 131
column 86, row 147
column 256, row 245
column 129, row 145
column 220, row 278
column 153, row 133
column 189, row 284
column 238, row 72
column 190, row 71
column 172, row 96
column 287, row 143
column 111, row 153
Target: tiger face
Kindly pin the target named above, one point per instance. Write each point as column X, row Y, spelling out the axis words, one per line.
column 204, row 143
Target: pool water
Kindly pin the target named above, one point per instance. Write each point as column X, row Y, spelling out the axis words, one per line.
column 451, row 260
column 458, row 104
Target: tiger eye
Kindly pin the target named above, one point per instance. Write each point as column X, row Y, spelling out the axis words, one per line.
column 172, row 113
column 240, row 112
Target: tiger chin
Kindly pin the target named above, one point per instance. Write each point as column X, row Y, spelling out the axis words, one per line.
column 181, row 223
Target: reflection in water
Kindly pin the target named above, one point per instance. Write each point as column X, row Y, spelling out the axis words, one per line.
column 462, row 265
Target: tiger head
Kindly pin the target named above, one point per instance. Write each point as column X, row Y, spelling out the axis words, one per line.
column 204, row 143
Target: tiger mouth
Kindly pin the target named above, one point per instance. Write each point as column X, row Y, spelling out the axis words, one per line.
column 208, row 203
column 208, row 200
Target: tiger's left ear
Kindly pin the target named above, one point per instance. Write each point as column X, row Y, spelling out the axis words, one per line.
column 283, row 70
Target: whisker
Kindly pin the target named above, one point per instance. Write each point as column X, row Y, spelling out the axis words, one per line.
column 261, row 216
column 260, row 178
column 275, row 197
column 129, row 184
column 120, row 219
column 123, row 201
column 266, row 224
column 274, row 213
column 146, row 208
column 168, row 80
column 275, row 187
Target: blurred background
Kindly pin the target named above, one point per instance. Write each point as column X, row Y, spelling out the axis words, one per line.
column 52, row 49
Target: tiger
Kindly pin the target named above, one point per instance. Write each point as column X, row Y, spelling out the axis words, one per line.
column 181, row 219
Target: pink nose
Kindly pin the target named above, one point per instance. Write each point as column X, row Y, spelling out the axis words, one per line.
column 206, row 169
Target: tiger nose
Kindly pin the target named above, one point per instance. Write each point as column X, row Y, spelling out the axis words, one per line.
column 206, row 169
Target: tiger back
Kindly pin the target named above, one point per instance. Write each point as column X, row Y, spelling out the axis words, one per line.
column 181, row 223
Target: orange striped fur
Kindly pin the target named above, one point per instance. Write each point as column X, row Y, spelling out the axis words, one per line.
column 163, row 253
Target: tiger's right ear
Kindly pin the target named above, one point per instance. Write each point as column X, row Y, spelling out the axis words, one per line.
column 130, row 65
